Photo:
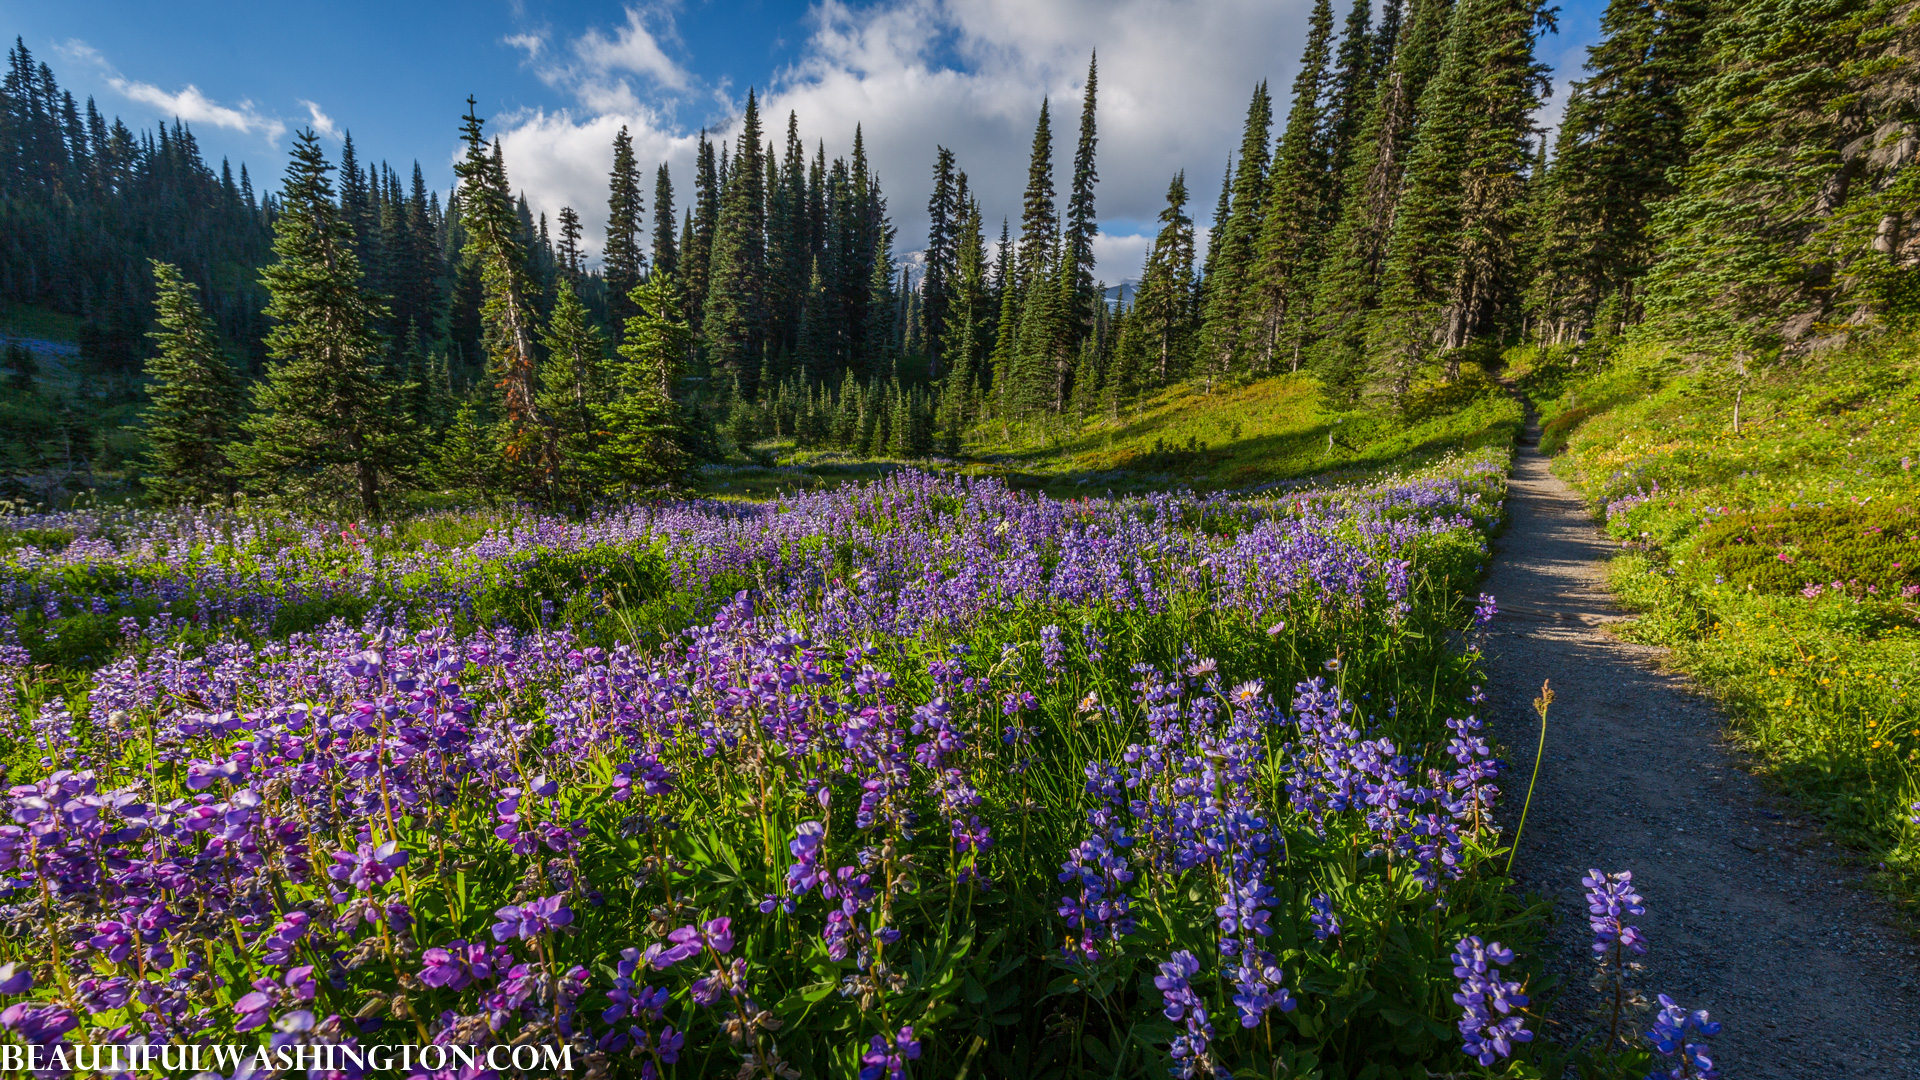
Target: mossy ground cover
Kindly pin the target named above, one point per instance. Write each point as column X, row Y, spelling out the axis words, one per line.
column 1780, row 560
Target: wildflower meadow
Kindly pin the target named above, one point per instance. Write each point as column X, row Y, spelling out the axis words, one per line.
column 915, row 777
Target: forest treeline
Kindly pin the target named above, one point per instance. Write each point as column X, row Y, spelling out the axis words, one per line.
column 1728, row 177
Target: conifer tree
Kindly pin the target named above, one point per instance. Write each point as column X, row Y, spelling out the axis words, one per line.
column 666, row 254
column 195, row 396
column 736, row 306
column 568, row 251
column 620, row 259
column 572, row 392
column 1039, row 219
column 641, row 445
column 1297, row 203
column 1351, row 86
column 789, row 246
column 1622, row 136
column 1082, row 226
column 696, row 253
column 1756, row 255
column 936, row 286
column 322, row 429
column 1217, row 225
column 468, row 463
column 1163, row 308
column 1348, row 282
column 1454, row 238
column 506, row 312
column 1004, row 362
column 1231, row 266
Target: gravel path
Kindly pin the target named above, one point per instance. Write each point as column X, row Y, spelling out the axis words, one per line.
column 1748, row 915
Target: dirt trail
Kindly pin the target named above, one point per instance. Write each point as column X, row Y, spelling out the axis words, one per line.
column 1747, row 914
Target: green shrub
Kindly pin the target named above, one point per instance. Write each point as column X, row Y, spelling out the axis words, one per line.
column 1874, row 548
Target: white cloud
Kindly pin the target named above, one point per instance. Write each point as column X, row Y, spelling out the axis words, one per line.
column 1121, row 258
column 559, row 160
column 533, row 44
column 194, row 107
column 1175, row 77
column 633, row 49
column 79, row 52
column 322, row 123
column 189, row 105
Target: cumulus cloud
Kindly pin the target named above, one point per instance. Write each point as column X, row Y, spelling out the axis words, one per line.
column 322, row 123
column 1175, row 76
column 1174, row 80
column 194, row 107
column 633, row 49
column 560, row 160
column 190, row 105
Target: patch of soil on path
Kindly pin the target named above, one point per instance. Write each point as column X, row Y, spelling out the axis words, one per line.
column 1749, row 915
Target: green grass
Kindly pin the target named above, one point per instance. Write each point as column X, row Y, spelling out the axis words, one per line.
column 1234, row 437
column 1240, row 436
column 1779, row 561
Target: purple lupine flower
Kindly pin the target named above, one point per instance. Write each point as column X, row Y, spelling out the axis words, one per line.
column 1094, row 642
column 685, row 945
column 1610, row 896
column 884, row 1058
column 1189, row 1050
column 1484, row 1036
column 531, row 919
column 369, row 867
column 255, row 1008
column 1325, row 923
column 15, row 978
column 1673, row 1028
column 1484, row 611
column 1052, row 652
column 806, row 871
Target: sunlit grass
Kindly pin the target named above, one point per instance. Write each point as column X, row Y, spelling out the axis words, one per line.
column 1818, row 674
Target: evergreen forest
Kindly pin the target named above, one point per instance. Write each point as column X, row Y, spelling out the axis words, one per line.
column 1728, row 177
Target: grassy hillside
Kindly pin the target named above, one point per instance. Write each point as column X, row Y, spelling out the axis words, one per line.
column 1235, row 437
column 1270, row 429
column 1779, row 558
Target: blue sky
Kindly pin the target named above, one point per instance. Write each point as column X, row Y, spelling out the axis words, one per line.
column 556, row 79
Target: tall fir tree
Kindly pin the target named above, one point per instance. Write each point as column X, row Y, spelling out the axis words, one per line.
column 1163, row 312
column 1455, row 233
column 1082, row 225
column 1351, row 85
column 621, row 260
column 666, row 253
column 789, row 248
column 1298, row 201
column 1623, row 135
column 1039, row 217
column 1347, row 287
column 942, row 256
column 736, row 307
column 493, row 241
column 1793, row 213
column 696, row 253
column 195, row 398
column 641, row 445
column 1234, row 247
column 572, row 393
column 322, row 429
column 568, row 250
